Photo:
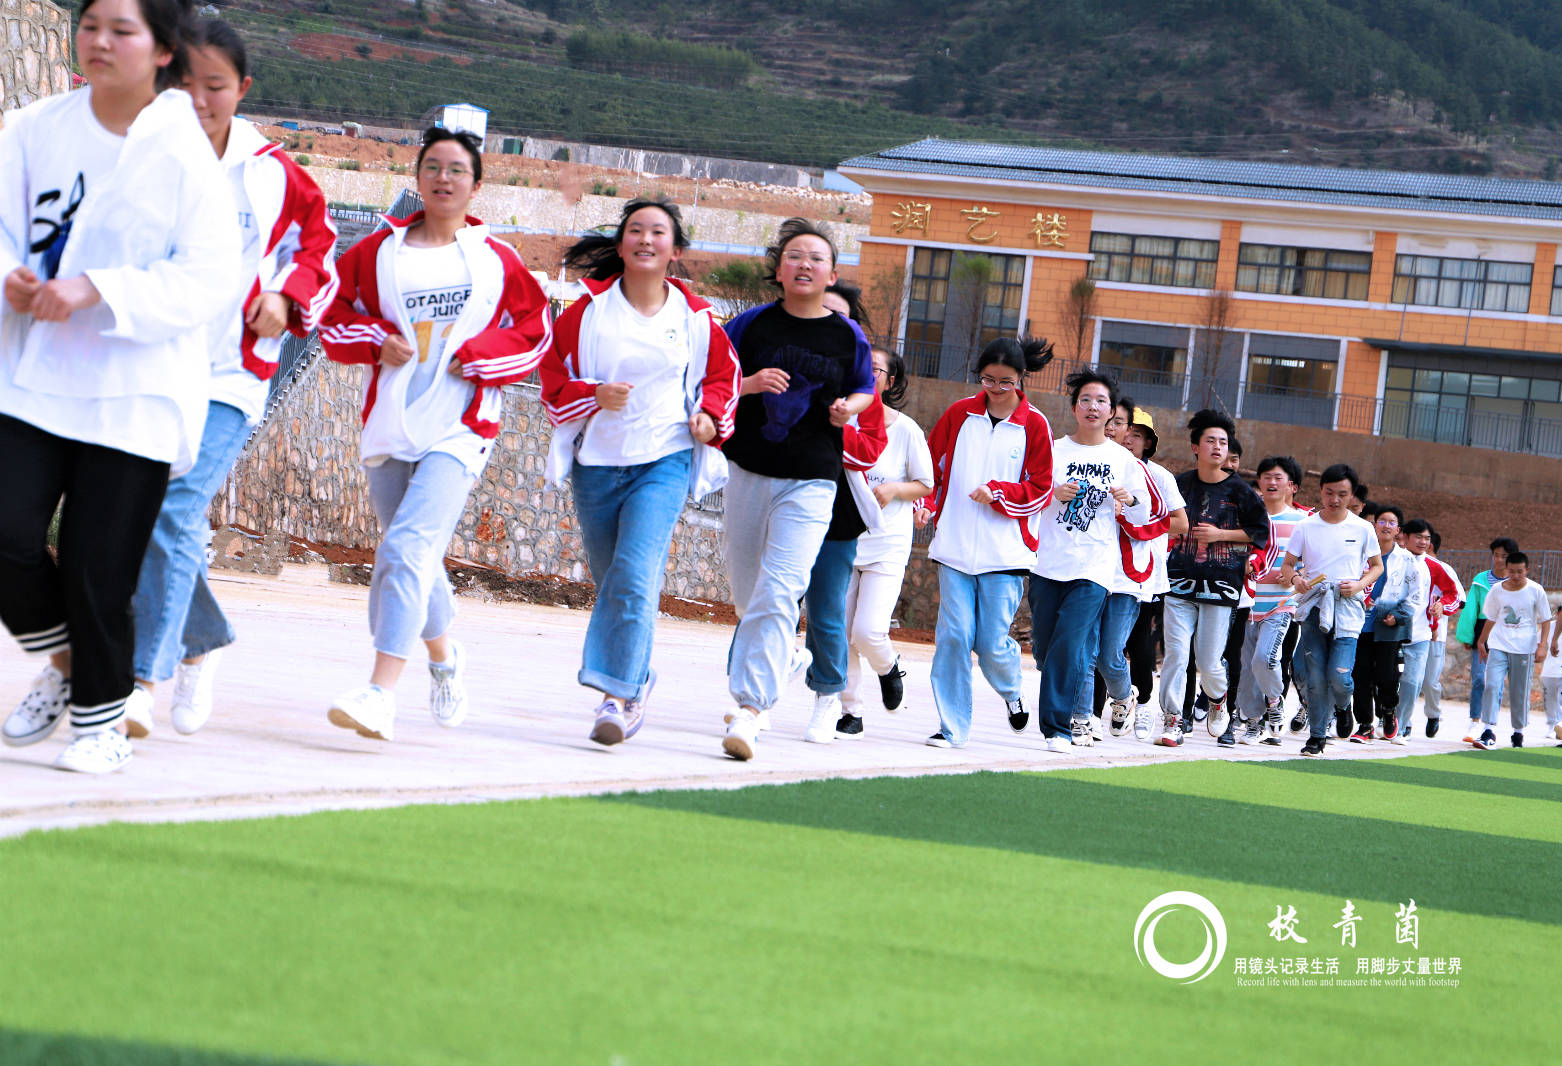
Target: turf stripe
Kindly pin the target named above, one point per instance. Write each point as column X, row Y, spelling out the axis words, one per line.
column 23, row 1048
column 1064, row 816
column 1395, row 772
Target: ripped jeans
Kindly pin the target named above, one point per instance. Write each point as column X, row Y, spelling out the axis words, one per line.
column 1324, row 663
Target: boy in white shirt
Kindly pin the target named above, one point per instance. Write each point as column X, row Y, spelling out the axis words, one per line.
column 1517, row 620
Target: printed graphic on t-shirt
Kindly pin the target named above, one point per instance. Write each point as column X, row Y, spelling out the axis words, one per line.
column 807, row 371
column 1080, row 512
column 51, row 225
column 433, row 312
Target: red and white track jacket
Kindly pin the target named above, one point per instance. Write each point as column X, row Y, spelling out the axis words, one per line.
column 500, row 337
column 569, row 383
column 1446, row 596
column 1014, row 460
column 296, row 256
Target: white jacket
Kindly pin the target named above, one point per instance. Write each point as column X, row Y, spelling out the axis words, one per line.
column 160, row 241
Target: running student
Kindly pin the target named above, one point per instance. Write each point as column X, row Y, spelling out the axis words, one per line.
column 1417, row 539
column 1551, row 678
column 902, row 476
column 1141, row 440
column 442, row 314
column 289, row 244
column 992, row 474
column 1470, row 619
column 1332, row 558
column 1261, row 687
column 118, row 246
column 1207, row 568
column 1517, row 621
column 1395, row 600
column 641, row 387
column 1445, row 601
column 827, row 641
column 1077, row 562
column 813, row 372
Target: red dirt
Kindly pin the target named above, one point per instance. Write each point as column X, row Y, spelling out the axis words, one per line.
column 332, row 46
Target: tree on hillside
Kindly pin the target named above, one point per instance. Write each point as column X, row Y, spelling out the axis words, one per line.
column 739, row 285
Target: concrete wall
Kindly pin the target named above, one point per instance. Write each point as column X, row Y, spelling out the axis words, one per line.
column 301, row 476
column 668, row 163
column 35, row 53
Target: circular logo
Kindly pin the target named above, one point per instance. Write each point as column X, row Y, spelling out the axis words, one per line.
column 1214, row 936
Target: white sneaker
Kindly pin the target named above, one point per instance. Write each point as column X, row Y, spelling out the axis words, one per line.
column 102, row 752
column 608, row 728
column 1144, row 722
column 1218, row 718
column 1060, row 744
column 447, row 689
column 193, row 682
column 742, row 729
column 41, row 710
column 1120, row 715
column 802, row 659
column 1097, row 729
column 764, row 721
column 138, row 712
column 827, row 711
column 368, row 709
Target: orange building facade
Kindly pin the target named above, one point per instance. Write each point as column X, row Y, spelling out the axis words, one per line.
column 1407, row 305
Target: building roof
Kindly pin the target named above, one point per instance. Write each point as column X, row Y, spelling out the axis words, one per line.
column 1229, row 178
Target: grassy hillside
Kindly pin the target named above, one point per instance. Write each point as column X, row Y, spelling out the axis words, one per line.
column 1472, row 85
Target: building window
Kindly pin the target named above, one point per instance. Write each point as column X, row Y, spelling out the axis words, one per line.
column 1556, row 291
column 1316, row 272
column 1511, row 412
column 958, row 302
column 1477, row 284
column 1274, row 373
column 1174, row 261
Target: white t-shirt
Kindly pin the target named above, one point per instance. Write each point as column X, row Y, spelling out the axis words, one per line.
column 1552, row 667
column 1420, row 625
column 652, row 354
column 1340, row 551
column 435, row 284
column 1078, row 540
column 905, row 458
column 1171, row 500
column 77, row 156
column 1516, row 617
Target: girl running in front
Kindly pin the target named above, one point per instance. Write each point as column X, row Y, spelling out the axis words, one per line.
column 118, row 245
column 903, row 475
column 443, row 314
column 641, row 387
column 289, row 245
column 814, row 371
column 992, row 474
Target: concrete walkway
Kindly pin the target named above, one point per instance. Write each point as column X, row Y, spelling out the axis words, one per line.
column 270, row 750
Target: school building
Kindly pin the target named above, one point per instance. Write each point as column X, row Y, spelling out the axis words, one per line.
column 1418, row 306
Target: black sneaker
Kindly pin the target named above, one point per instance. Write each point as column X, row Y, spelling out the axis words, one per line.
column 1363, row 735
column 938, row 740
column 850, row 725
column 1019, row 717
column 1408, row 732
column 1390, row 727
column 1486, row 741
column 1299, row 723
column 1431, row 727
column 1313, row 747
column 1518, row 740
column 1342, row 722
column 1228, row 739
column 892, row 687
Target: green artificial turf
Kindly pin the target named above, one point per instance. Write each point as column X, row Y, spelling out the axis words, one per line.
column 965, row 919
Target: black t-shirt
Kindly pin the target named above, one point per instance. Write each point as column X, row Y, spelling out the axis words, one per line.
column 788, row 434
column 1215, row 573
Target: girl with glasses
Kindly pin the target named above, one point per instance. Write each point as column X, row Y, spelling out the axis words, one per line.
column 442, row 314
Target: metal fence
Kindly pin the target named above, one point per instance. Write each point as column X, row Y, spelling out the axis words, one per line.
column 1190, row 390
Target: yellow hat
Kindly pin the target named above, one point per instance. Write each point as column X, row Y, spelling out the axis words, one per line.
column 1142, row 418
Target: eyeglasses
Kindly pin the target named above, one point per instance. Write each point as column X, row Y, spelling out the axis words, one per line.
column 1116, row 423
column 1002, row 385
column 879, row 372
column 805, row 257
column 455, row 171
column 1091, row 401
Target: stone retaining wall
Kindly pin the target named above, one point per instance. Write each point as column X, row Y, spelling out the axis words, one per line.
column 35, row 53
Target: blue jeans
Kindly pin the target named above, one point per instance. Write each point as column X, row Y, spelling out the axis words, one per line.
column 419, row 505
column 825, row 601
column 1065, row 620
column 773, row 528
column 1478, row 685
column 975, row 612
column 1325, row 664
column 1517, row 670
column 1263, row 646
column 627, row 515
column 176, row 615
column 1414, row 660
column 1432, row 686
column 1118, row 616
